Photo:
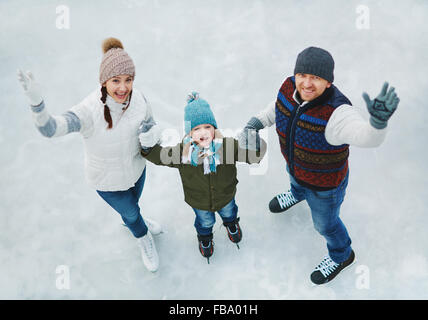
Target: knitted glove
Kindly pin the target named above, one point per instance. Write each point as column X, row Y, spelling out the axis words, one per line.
column 382, row 107
column 148, row 133
column 31, row 87
column 249, row 137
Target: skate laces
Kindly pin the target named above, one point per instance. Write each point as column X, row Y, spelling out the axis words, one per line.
column 286, row 199
column 327, row 266
column 147, row 245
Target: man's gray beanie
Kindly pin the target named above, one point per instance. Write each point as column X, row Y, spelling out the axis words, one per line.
column 316, row 61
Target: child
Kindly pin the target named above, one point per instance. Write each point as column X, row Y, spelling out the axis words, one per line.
column 108, row 120
column 207, row 164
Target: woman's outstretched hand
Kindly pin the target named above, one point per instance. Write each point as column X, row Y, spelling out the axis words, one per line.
column 31, row 87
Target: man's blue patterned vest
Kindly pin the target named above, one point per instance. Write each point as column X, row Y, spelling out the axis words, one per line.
column 311, row 160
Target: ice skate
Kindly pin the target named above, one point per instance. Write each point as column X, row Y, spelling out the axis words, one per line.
column 234, row 231
column 149, row 253
column 327, row 270
column 154, row 227
column 206, row 245
column 282, row 202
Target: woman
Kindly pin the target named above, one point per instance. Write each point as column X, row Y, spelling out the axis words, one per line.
column 108, row 120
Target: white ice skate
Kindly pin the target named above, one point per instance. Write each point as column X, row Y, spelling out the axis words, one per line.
column 149, row 252
column 153, row 226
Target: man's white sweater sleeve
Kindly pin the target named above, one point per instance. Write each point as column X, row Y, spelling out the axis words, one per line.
column 347, row 126
column 267, row 116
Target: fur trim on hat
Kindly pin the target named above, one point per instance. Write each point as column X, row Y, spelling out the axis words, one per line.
column 111, row 43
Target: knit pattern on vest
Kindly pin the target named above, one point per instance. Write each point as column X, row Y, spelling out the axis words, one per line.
column 312, row 161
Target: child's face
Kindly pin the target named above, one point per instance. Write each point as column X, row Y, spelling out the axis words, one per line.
column 203, row 135
column 119, row 87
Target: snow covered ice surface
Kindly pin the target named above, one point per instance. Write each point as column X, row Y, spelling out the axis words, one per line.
column 236, row 54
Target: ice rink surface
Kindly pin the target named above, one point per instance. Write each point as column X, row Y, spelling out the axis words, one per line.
column 236, row 54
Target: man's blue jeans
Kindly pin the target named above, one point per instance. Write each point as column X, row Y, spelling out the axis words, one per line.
column 325, row 209
column 126, row 204
column 205, row 220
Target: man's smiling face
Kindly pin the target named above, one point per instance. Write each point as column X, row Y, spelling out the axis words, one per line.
column 310, row 86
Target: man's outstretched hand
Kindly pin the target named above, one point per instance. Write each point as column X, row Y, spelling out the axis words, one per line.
column 382, row 107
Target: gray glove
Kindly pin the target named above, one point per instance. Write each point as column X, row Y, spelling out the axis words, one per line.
column 249, row 137
column 382, row 107
column 146, row 125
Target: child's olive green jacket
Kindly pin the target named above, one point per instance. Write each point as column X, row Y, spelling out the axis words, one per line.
column 212, row 191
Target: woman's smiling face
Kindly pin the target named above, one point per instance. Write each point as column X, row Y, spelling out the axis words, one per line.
column 119, row 87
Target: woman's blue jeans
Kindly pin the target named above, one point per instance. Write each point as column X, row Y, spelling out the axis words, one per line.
column 325, row 209
column 126, row 204
column 205, row 220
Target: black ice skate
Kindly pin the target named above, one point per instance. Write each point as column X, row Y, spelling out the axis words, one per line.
column 282, row 202
column 328, row 269
column 234, row 231
column 206, row 245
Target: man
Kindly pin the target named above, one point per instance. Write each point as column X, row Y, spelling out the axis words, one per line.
column 316, row 124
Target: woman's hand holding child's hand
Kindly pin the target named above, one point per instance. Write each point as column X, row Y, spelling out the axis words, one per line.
column 149, row 133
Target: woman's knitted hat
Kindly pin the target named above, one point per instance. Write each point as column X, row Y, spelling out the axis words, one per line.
column 115, row 60
column 197, row 112
column 316, row 61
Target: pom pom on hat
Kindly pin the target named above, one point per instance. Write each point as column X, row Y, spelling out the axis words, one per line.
column 192, row 96
column 111, row 43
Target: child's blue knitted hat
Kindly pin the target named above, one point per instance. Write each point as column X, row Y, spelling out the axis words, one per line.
column 197, row 112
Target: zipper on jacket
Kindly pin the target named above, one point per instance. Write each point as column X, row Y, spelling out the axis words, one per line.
column 290, row 137
column 291, row 129
column 211, row 191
